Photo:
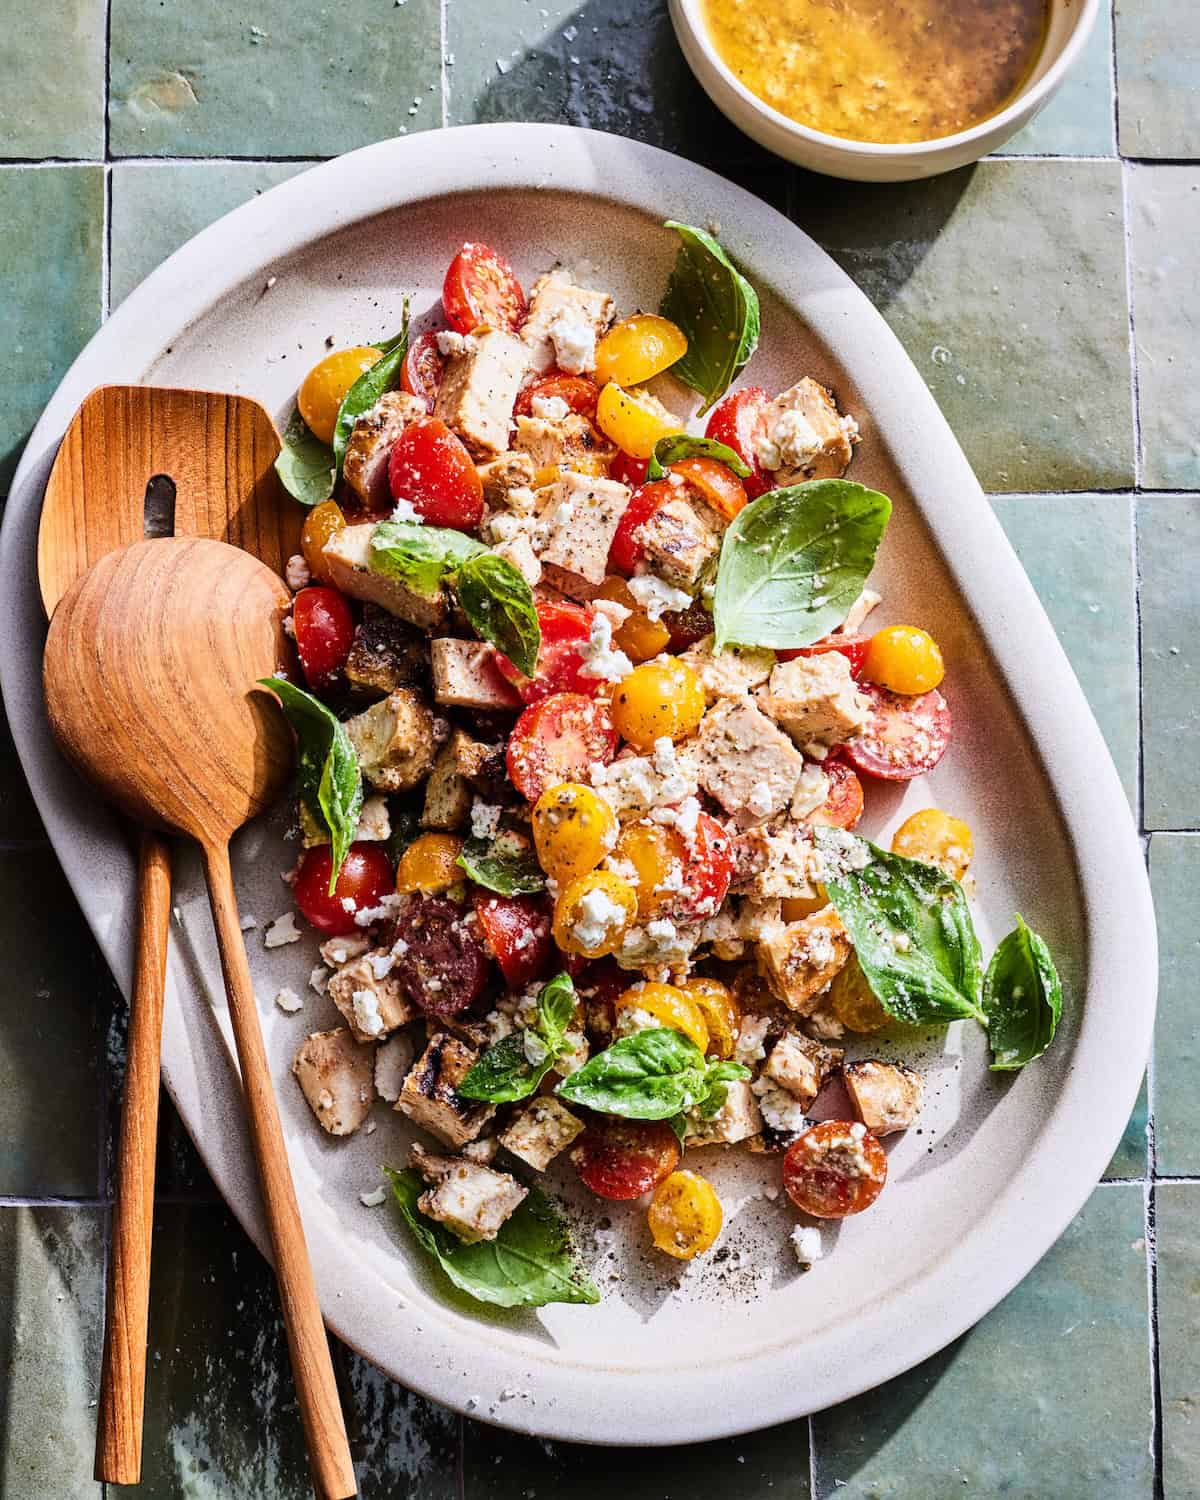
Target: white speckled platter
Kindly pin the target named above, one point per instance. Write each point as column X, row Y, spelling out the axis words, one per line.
column 999, row 1165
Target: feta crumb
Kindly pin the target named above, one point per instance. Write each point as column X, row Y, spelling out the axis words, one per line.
column 374, row 1198
column 319, row 979
column 366, row 1012
column 599, row 658
column 405, row 510
column 297, row 574
column 485, row 820
column 550, row 408
column 536, row 1050
column 574, row 344
column 780, row 1110
column 786, row 443
column 450, row 343
column 806, row 1242
column 761, row 800
column 249, row 924
column 282, row 930
column 656, row 596
column 288, row 1000
column 599, row 915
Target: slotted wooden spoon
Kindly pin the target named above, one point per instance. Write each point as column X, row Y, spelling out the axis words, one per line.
column 138, row 461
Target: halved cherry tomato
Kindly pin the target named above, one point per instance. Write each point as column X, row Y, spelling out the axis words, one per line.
column 364, row 880
column 628, row 470
column 517, row 930
column 852, row 647
column 685, row 1216
column 905, row 738
column 677, row 878
column 324, row 387
column 432, row 469
column 622, row 1159
column 579, row 393
column 324, row 630
column 707, row 870
column 481, row 287
column 836, row 1169
column 556, row 740
column 565, row 632
column 715, row 483
column 423, row 368
column 625, row 553
column 598, row 982
column 843, row 805
column 733, row 422
column 322, row 523
column 687, row 626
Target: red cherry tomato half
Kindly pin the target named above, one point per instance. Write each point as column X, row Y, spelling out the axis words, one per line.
column 565, row 632
column 843, row 806
column 432, row 469
column 481, row 287
column 598, row 983
column 517, row 930
column 556, row 740
column 716, row 484
column 707, row 870
column 687, row 626
column 423, row 368
column 628, row 470
column 733, row 422
column 625, row 553
column 364, row 880
column 324, row 628
column 852, row 647
column 906, row 736
column 836, row 1169
column 622, row 1159
column 580, row 394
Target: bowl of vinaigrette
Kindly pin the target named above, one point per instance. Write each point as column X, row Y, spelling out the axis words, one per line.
column 881, row 90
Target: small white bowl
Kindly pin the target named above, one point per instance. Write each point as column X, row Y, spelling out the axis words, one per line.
column 1071, row 22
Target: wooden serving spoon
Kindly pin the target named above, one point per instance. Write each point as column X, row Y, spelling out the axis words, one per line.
column 139, row 461
column 150, row 673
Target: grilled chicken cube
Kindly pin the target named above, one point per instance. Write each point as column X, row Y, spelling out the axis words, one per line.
column 500, row 476
column 745, row 762
column 448, row 792
column 518, row 550
column 730, row 673
column 393, row 1059
column 465, row 675
column 679, row 542
column 428, row 1096
column 784, row 863
column 394, row 741
column 366, row 463
column 801, row 1066
column 801, row 958
column 483, row 1151
column 385, row 654
column 374, row 824
column 557, row 305
column 373, row 1003
column 470, row 1199
column 479, row 389
column 569, row 443
column 815, row 699
column 539, row 1130
column 738, row 1119
column 804, row 436
column 886, row 1096
column 580, row 515
column 347, row 556
column 336, row 1074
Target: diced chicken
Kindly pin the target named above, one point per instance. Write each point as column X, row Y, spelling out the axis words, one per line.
column 800, row 959
column 886, row 1096
column 812, row 791
column 518, row 550
column 335, row 1073
column 580, row 515
column 471, row 1200
column 374, row 824
column 500, row 476
column 572, row 443
column 385, row 654
column 815, row 699
column 428, row 1096
column 678, row 541
column 448, row 792
column 479, row 387
column 822, row 1024
column 555, row 299
column 366, row 463
column 637, row 783
column 393, row 1059
column 745, row 762
column 539, row 1130
column 482, row 1151
column 373, row 1003
column 465, row 675
column 394, row 740
column 347, row 556
column 730, row 673
column 787, row 868
column 658, row 945
column 737, row 1120
column 739, row 922
column 803, row 436
column 801, row 1066
column 342, row 949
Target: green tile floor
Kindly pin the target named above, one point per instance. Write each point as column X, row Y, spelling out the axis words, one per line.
column 1051, row 298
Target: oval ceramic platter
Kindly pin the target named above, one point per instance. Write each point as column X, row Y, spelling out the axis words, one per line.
column 999, row 1164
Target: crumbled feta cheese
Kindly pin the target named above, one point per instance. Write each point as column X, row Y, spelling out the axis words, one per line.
column 633, row 1018
column 366, row 1012
column 288, row 1000
column 485, row 820
column 780, row 1110
column 249, row 924
column 297, row 574
column 550, row 408
column 382, row 964
column 761, row 799
column 840, row 852
column 811, row 790
column 319, row 979
column 574, row 344
column 386, row 908
column 349, row 905
column 536, row 1050
column 405, row 510
column 374, row 1198
column 656, row 596
column 750, row 1046
column 806, row 1242
column 685, row 817
column 282, row 930
column 599, row 915
column 786, row 443
column 599, row 658
column 450, row 343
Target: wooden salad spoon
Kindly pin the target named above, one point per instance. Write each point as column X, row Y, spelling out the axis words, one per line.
column 139, row 461
column 151, row 668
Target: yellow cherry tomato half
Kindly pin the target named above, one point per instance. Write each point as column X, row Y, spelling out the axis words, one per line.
column 656, row 853
column 721, row 1012
column 322, row 522
column 853, row 1002
column 592, row 915
column 639, row 636
column 938, row 839
column 661, row 699
column 638, row 348
column 430, row 863
column 669, row 1006
column 634, row 420
column 905, row 659
column 573, row 829
column 796, row 908
column 685, row 1215
column 326, row 384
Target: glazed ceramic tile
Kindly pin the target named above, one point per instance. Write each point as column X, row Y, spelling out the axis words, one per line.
column 275, row 79
column 1048, row 1396
column 52, row 101
column 1158, row 77
column 49, row 303
column 157, row 206
column 1175, row 879
column 1168, row 538
column 1078, row 121
column 1006, row 284
column 51, row 1300
column 1164, row 227
column 1177, row 1208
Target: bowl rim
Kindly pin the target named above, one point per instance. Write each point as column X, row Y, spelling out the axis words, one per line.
column 686, row 15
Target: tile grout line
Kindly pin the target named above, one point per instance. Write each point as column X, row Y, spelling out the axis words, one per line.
column 812, row 1457
column 443, row 37
column 1156, row 1412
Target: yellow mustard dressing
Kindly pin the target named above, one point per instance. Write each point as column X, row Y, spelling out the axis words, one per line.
column 885, row 71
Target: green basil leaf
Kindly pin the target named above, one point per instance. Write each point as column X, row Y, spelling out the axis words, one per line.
column 556, row 1008
column 504, row 1073
column 1022, row 999
column 794, row 561
column 716, row 307
column 506, row 864
column 499, row 604
column 650, row 1075
column 720, row 1076
column 420, row 556
column 330, row 779
column 305, row 464
column 528, row 1264
column 671, row 449
column 910, row 926
column 383, row 376
column 679, row 1125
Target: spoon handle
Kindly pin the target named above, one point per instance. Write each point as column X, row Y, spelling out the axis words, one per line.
column 312, row 1368
column 123, row 1371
